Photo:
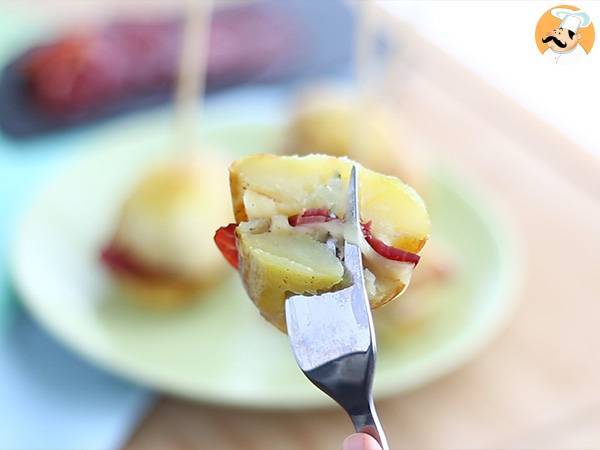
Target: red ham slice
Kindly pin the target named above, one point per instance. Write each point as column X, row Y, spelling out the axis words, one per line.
column 120, row 260
column 225, row 238
column 315, row 215
column 388, row 251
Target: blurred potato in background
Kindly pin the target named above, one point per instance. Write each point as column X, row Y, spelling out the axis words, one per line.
column 340, row 121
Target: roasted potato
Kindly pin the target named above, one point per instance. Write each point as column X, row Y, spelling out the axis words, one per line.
column 338, row 122
column 161, row 251
column 286, row 207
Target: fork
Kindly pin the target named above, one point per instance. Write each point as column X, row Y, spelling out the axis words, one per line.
column 332, row 334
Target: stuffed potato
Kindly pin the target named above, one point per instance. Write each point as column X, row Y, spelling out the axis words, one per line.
column 340, row 123
column 161, row 251
column 287, row 206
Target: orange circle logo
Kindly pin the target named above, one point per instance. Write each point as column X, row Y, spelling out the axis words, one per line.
column 564, row 33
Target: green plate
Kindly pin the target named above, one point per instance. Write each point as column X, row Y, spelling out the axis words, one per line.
column 219, row 349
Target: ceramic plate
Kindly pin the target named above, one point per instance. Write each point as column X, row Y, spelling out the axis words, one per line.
column 219, row 349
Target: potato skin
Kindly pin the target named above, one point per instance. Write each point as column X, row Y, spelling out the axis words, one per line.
column 237, row 188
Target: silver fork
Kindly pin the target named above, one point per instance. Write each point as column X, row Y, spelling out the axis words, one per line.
column 332, row 335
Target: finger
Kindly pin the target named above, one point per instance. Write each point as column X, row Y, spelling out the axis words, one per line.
column 360, row 441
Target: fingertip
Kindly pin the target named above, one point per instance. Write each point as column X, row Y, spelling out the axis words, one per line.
column 360, row 441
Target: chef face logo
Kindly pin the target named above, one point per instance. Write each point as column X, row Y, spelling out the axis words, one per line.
column 560, row 40
column 564, row 30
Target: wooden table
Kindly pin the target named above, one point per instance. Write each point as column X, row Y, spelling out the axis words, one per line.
column 538, row 385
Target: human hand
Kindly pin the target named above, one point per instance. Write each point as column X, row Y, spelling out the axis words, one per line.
column 360, row 441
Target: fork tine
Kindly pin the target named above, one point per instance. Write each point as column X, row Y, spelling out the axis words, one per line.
column 352, row 253
column 352, row 213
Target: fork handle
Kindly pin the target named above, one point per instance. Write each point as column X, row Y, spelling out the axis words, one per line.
column 367, row 422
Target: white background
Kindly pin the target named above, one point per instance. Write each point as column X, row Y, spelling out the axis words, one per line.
column 495, row 39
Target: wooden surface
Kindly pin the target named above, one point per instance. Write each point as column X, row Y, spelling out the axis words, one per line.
column 538, row 385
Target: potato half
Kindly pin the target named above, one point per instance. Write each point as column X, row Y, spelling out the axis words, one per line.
column 276, row 258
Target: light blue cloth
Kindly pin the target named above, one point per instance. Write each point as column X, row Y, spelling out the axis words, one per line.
column 50, row 398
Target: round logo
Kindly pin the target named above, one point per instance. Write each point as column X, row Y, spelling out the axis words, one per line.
column 564, row 33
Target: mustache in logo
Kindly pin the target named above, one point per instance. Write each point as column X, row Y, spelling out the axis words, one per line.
column 555, row 40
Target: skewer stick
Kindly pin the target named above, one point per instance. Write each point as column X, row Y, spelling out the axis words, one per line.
column 191, row 78
column 363, row 49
